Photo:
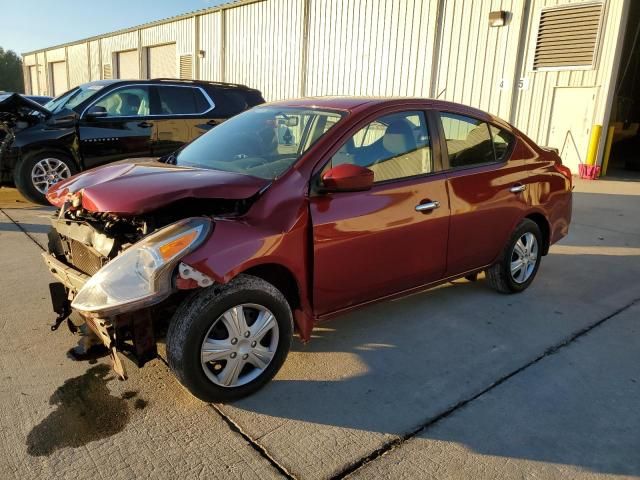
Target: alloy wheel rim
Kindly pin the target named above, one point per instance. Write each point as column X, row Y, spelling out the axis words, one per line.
column 47, row 172
column 524, row 257
column 239, row 345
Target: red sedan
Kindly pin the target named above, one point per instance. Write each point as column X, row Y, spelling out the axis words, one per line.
column 291, row 213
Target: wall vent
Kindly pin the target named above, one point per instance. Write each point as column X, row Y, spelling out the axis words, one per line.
column 106, row 71
column 186, row 67
column 568, row 37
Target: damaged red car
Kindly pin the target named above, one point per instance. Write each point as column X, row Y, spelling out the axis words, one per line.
column 289, row 214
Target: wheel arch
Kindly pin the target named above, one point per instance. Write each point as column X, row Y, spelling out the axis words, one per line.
column 54, row 148
column 280, row 277
column 545, row 229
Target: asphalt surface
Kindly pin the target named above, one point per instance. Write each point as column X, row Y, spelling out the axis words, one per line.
column 456, row 382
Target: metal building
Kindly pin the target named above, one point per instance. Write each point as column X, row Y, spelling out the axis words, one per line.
column 547, row 66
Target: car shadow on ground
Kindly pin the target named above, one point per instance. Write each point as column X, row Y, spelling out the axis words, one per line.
column 396, row 366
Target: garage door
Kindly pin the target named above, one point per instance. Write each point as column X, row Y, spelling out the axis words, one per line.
column 59, row 78
column 33, row 79
column 128, row 66
column 162, row 61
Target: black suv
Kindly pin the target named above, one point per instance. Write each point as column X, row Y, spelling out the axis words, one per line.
column 108, row 120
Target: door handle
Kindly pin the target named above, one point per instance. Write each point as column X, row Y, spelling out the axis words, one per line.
column 427, row 206
column 518, row 188
column 145, row 125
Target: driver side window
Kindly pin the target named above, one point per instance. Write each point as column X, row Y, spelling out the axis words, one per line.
column 393, row 146
column 126, row 102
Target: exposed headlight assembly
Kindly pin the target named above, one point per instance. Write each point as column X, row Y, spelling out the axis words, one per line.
column 141, row 275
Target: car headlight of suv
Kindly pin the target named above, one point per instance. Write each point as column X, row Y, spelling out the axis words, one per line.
column 141, row 275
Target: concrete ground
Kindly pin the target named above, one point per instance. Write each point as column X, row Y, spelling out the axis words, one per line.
column 456, row 382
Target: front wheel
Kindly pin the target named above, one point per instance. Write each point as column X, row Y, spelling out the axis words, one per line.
column 227, row 341
column 519, row 261
column 38, row 172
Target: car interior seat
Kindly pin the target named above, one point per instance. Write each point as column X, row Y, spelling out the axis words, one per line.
column 401, row 156
column 476, row 148
column 130, row 104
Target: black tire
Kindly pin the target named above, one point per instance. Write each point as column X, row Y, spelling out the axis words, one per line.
column 195, row 316
column 22, row 174
column 499, row 274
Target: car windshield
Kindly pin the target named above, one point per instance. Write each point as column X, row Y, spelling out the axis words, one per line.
column 72, row 98
column 262, row 142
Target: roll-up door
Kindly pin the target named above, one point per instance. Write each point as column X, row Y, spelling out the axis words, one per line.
column 162, row 61
column 128, row 67
column 59, row 78
column 33, row 79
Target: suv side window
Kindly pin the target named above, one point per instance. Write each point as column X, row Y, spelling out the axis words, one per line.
column 469, row 140
column 175, row 100
column 126, row 102
column 393, row 146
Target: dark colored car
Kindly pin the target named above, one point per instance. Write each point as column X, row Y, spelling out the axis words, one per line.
column 292, row 213
column 104, row 121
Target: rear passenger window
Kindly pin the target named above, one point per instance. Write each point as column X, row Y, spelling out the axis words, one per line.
column 182, row 100
column 502, row 142
column 394, row 146
column 468, row 140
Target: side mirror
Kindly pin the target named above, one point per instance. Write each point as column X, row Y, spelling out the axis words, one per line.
column 97, row 112
column 347, row 177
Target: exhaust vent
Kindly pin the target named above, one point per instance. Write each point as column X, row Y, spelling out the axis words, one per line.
column 106, row 71
column 568, row 37
column 186, row 67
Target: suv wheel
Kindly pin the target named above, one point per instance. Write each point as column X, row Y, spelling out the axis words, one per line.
column 227, row 341
column 519, row 261
column 38, row 172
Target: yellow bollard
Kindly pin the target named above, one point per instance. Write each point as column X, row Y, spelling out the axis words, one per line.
column 607, row 150
column 596, row 131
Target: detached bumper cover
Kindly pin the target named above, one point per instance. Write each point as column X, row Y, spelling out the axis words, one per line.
column 112, row 331
column 71, row 278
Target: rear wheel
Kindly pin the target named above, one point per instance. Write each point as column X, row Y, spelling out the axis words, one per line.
column 226, row 342
column 38, row 172
column 519, row 261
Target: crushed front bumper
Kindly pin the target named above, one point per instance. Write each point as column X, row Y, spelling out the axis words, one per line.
column 112, row 331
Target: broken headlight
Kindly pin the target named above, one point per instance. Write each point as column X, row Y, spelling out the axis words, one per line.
column 141, row 275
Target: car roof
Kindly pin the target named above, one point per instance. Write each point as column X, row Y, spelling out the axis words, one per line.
column 353, row 103
column 169, row 81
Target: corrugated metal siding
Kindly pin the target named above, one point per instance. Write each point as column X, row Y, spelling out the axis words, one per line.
column 475, row 58
column 117, row 43
column 77, row 63
column 94, row 57
column 43, row 81
column 210, row 43
column 264, row 47
column 55, row 55
column 368, row 47
column 180, row 32
column 533, row 111
column 373, row 47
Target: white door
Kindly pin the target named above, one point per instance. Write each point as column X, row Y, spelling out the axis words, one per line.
column 128, row 67
column 59, row 78
column 162, row 61
column 33, row 79
column 571, row 122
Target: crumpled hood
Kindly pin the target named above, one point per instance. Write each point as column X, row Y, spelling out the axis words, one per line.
column 15, row 103
column 133, row 187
